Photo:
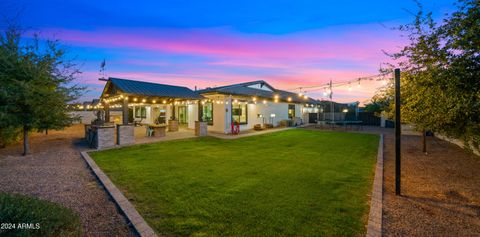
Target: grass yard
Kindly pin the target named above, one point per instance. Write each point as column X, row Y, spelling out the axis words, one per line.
column 36, row 218
column 294, row 182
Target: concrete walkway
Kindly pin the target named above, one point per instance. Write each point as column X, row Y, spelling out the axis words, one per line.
column 248, row 133
column 180, row 134
column 189, row 133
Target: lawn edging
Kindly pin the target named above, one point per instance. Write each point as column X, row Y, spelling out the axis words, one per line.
column 137, row 222
column 374, row 226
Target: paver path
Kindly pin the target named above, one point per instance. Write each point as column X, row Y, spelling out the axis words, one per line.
column 56, row 172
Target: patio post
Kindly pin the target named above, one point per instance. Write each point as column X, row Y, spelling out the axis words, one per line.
column 398, row 133
column 200, row 125
column 173, row 122
column 200, row 111
column 107, row 113
column 173, row 111
column 125, row 111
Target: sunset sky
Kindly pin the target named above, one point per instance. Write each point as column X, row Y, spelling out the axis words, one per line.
column 211, row 43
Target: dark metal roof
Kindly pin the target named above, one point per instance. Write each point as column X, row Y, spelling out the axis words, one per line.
column 154, row 89
column 243, row 89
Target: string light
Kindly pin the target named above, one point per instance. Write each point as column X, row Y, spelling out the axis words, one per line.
column 265, row 102
column 289, row 99
column 378, row 77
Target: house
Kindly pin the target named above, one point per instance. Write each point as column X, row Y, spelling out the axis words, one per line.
column 247, row 104
column 251, row 103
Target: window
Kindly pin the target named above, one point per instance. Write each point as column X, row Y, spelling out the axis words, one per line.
column 239, row 113
column 291, row 111
column 208, row 113
column 140, row 112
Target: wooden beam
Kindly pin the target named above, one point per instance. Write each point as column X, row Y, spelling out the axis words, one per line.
column 125, row 111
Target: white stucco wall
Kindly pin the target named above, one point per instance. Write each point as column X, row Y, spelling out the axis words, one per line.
column 222, row 113
column 192, row 113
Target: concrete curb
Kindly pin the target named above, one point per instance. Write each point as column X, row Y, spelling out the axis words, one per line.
column 136, row 220
column 374, row 226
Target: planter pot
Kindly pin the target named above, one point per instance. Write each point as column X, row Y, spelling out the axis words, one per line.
column 158, row 131
column 172, row 125
column 201, row 128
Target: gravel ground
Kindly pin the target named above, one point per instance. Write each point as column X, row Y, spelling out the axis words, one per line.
column 56, row 172
column 440, row 191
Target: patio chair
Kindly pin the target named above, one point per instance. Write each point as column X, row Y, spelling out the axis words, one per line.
column 149, row 131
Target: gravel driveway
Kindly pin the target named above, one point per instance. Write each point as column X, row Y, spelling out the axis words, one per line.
column 56, row 172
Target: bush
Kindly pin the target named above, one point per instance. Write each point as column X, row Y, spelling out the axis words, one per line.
column 8, row 136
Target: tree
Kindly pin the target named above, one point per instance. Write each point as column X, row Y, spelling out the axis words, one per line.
column 36, row 84
column 440, row 73
column 381, row 101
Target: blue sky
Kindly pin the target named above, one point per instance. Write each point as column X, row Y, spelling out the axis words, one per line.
column 207, row 43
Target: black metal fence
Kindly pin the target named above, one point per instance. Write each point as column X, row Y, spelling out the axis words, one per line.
column 367, row 118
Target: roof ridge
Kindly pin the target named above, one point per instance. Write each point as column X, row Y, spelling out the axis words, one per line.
column 238, row 84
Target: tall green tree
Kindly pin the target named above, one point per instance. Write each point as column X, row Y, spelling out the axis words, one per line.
column 441, row 73
column 36, row 84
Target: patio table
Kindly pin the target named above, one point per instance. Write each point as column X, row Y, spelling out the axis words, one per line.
column 158, row 130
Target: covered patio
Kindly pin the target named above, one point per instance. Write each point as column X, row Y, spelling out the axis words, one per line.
column 151, row 111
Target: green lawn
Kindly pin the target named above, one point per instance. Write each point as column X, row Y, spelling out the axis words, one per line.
column 294, row 182
column 36, row 218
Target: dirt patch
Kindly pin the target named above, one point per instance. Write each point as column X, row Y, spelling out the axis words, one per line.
column 56, row 172
column 440, row 191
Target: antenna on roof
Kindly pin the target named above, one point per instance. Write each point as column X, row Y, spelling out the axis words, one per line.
column 102, row 71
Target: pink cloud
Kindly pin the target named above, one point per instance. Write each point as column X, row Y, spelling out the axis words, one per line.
column 212, row 79
column 286, row 61
column 357, row 47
